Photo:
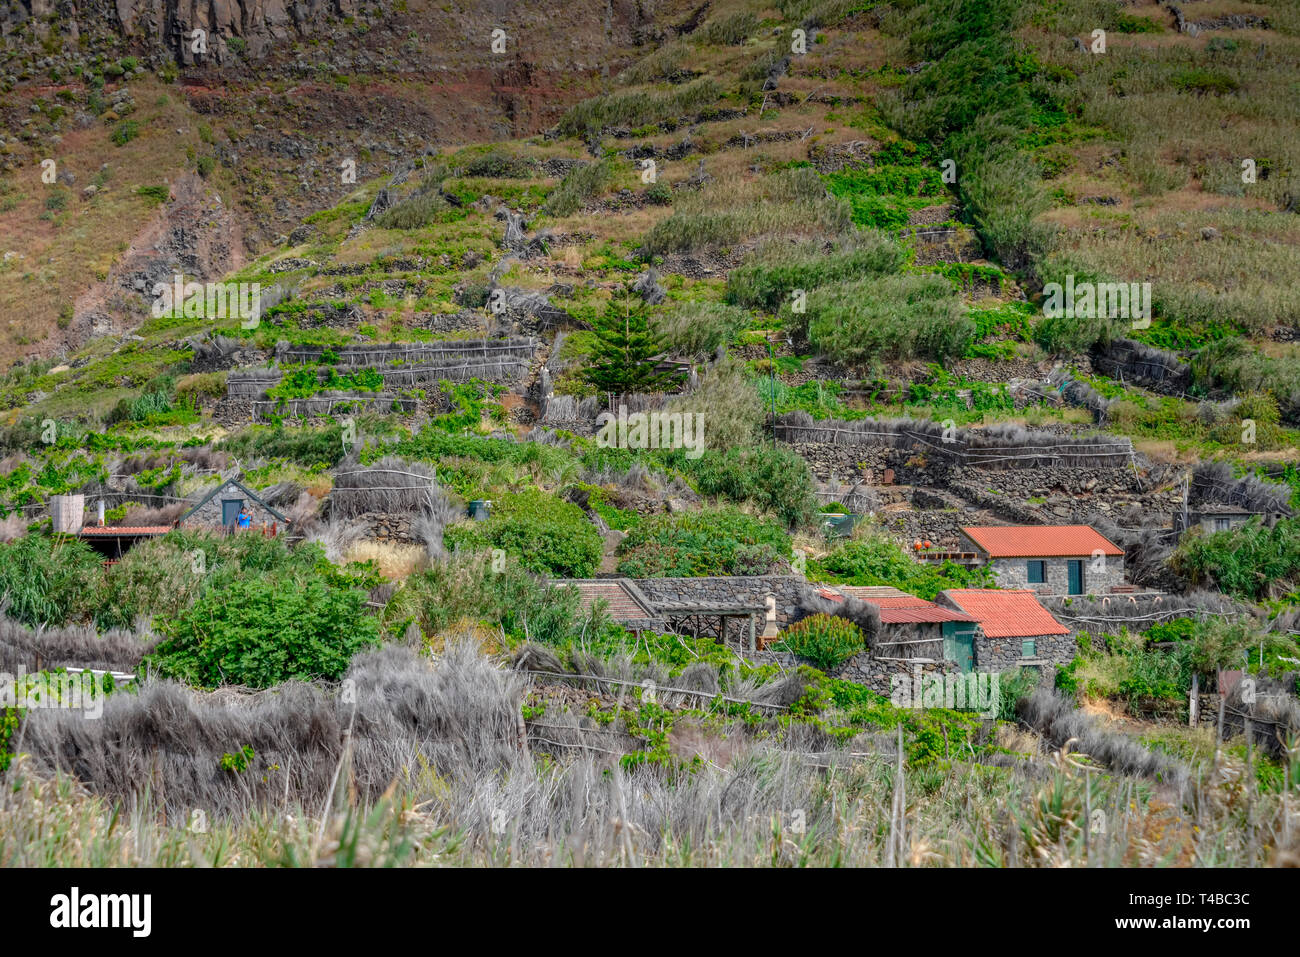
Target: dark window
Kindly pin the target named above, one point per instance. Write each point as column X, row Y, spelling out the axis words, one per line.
column 1222, row 524
column 1037, row 573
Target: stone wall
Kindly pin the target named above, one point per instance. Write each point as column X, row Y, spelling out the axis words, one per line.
column 1014, row 573
column 862, row 669
column 997, row 655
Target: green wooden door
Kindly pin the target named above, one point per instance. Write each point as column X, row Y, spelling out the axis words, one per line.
column 959, row 644
column 1075, row 572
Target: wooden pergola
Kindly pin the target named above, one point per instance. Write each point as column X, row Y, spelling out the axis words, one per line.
column 711, row 618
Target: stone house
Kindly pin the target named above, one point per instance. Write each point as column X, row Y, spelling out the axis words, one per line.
column 220, row 508
column 1049, row 559
column 1012, row 630
column 1217, row 517
column 910, row 627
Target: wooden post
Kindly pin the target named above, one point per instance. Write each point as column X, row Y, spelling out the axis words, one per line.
column 1193, row 706
column 753, row 646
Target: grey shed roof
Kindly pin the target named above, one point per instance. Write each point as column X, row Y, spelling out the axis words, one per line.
column 243, row 488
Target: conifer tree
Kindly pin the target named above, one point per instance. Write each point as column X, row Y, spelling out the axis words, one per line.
column 627, row 351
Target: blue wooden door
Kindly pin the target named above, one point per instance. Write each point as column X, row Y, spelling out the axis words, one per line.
column 230, row 510
column 959, row 644
column 1075, row 572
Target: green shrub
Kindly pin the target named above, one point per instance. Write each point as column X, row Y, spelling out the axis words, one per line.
column 1201, row 82
column 580, row 185
column 467, row 588
column 767, row 279
column 159, row 193
column 894, row 317
column 873, row 560
column 824, row 640
column 731, row 30
column 548, row 536
column 638, row 108
column 258, row 632
column 697, row 329
column 125, row 132
column 307, row 447
column 1250, row 562
column 722, row 541
column 48, row 580
column 885, row 195
column 776, row 480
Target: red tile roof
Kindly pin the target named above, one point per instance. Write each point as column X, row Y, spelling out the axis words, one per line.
column 899, row 608
column 623, row 606
column 126, row 529
column 1040, row 541
column 1006, row 613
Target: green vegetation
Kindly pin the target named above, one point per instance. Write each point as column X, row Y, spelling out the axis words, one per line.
column 895, row 317
column 824, row 640
column 873, row 560
column 1251, row 562
column 624, row 351
column 769, row 278
column 722, row 541
column 48, row 580
column 259, row 632
column 776, row 481
column 546, row 535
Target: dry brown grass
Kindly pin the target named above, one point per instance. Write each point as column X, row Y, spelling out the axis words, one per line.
column 62, row 257
column 395, row 561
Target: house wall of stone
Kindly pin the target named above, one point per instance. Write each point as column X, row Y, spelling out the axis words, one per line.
column 996, row 655
column 209, row 515
column 1014, row 573
column 864, row 669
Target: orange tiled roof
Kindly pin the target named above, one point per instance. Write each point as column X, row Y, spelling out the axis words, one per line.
column 1007, row 613
column 623, row 605
column 1040, row 541
column 899, row 608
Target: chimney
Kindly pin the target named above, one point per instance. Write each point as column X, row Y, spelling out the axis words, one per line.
column 67, row 513
column 101, row 512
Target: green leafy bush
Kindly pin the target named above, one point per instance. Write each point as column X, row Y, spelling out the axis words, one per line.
column 258, row 632
column 125, row 132
column 581, row 184
column 824, row 640
column 548, row 536
column 1251, row 561
column 723, row 541
column 872, row 560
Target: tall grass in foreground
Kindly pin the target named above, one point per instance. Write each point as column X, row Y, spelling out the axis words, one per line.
column 433, row 765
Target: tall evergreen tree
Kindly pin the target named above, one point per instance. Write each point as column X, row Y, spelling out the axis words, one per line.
column 627, row 351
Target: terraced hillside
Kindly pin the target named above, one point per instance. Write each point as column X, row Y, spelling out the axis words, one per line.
column 833, row 235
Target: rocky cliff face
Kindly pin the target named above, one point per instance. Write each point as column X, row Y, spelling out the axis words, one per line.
column 191, row 31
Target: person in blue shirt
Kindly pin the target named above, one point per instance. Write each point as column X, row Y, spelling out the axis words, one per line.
column 245, row 518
